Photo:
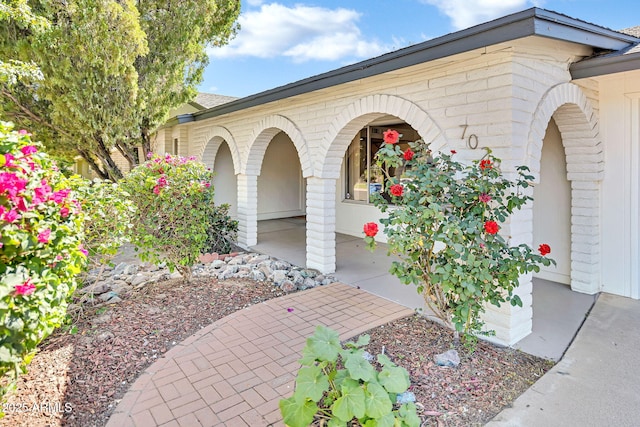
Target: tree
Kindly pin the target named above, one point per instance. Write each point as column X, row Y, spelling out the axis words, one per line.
column 112, row 72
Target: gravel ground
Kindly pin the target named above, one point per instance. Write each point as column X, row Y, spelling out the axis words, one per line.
column 81, row 371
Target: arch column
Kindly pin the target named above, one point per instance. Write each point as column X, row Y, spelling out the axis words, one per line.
column 247, row 209
column 321, row 224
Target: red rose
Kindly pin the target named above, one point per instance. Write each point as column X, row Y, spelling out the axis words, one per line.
column 485, row 164
column 453, row 152
column 391, row 136
column 544, row 249
column 370, row 229
column 491, row 227
column 396, row 190
column 408, row 155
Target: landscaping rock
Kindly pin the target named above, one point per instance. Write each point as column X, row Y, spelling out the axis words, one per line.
column 449, row 358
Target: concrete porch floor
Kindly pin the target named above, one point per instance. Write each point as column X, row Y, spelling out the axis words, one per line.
column 558, row 312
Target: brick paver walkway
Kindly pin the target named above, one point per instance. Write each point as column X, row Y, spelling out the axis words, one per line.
column 235, row 371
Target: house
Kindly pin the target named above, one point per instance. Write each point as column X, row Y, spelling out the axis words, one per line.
column 539, row 88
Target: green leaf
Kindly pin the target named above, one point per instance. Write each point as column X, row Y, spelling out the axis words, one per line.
column 409, row 415
column 351, row 403
column 377, row 401
column 324, row 343
column 312, row 382
column 297, row 412
column 394, row 379
column 357, row 366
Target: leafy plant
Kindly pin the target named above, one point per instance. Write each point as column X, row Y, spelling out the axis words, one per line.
column 223, row 231
column 443, row 223
column 174, row 211
column 338, row 395
column 40, row 249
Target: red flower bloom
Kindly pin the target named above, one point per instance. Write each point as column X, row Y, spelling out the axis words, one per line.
column 484, row 198
column 453, row 151
column 370, row 229
column 391, row 136
column 408, row 155
column 485, row 164
column 396, row 190
column 491, row 227
column 544, row 249
column 26, row 288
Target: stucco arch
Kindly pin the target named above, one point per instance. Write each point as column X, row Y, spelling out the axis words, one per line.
column 579, row 130
column 357, row 114
column 578, row 124
column 264, row 132
column 213, row 139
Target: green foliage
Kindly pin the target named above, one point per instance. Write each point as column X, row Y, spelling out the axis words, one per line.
column 338, row 395
column 174, row 210
column 139, row 60
column 222, row 232
column 108, row 211
column 444, row 228
column 40, row 249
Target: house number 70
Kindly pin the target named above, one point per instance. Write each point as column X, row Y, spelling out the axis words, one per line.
column 472, row 140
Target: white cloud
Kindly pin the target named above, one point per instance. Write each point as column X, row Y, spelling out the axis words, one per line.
column 467, row 13
column 300, row 32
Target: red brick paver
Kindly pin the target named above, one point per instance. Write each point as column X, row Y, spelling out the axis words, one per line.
column 235, row 371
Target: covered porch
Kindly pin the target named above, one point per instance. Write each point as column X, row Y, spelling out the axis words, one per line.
column 558, row 312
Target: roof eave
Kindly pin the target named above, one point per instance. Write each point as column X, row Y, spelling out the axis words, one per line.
column 530, row 22
column 595, row 67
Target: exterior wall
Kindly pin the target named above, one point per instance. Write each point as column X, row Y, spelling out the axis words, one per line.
column 620, row 111
column 225, row 182
column 552, row 208
column 504, row 95
column 281, row 188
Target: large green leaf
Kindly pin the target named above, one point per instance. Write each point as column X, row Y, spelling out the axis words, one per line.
column 376, row 401
column 409, row 415
column 351, row 403
column 388, row 420
column 311, row 382
column 297, row 411
column 394, row 379
column 324, row 343
column 358, row 367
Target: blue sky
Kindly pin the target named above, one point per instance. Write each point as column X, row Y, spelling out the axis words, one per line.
column 285, row 41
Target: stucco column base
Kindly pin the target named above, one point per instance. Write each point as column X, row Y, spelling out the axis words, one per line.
column 511, row 324
column 247, row 210
column 321, row 224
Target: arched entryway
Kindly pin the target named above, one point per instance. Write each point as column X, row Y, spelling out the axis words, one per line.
column 221, row 155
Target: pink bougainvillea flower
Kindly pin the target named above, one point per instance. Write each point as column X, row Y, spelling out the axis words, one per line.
column 391, row 136
column 290, row 310
column 484, row 198
column 408, row 155
column 544, row 249
column 64, row 212
column 8, row 161
column 11, row 216
column 59, row 196
column 156, row 189
column 491, row 227
column 149, row 155
column 29, row 149
column 11, row 184
column 485, row 164
column 397, row 190
column 83, row 250
column 207, row 184
column 44, row 236
column 162, row 181
column 23, row 132
column 26, row 288
column 370, row 229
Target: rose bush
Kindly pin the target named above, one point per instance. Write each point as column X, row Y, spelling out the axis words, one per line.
column 175, row 213
column 443, row 223
column 40, row 249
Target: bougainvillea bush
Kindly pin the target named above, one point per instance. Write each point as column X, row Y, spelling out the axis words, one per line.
column 40, row 249
column 175, row 212
column 443, row 222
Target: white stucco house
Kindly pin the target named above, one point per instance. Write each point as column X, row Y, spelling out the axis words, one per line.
column 541, row 89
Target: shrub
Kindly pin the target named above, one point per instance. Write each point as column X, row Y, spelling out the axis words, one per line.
column 40, row 249
column 175, row 212
column 443, row 223
column 356, row 391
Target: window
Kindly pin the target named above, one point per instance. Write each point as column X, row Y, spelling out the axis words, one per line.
column 362, row 176
column 175, row 147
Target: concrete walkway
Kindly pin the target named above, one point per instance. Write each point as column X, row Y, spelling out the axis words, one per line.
column 234, row 372
column 597, row 382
